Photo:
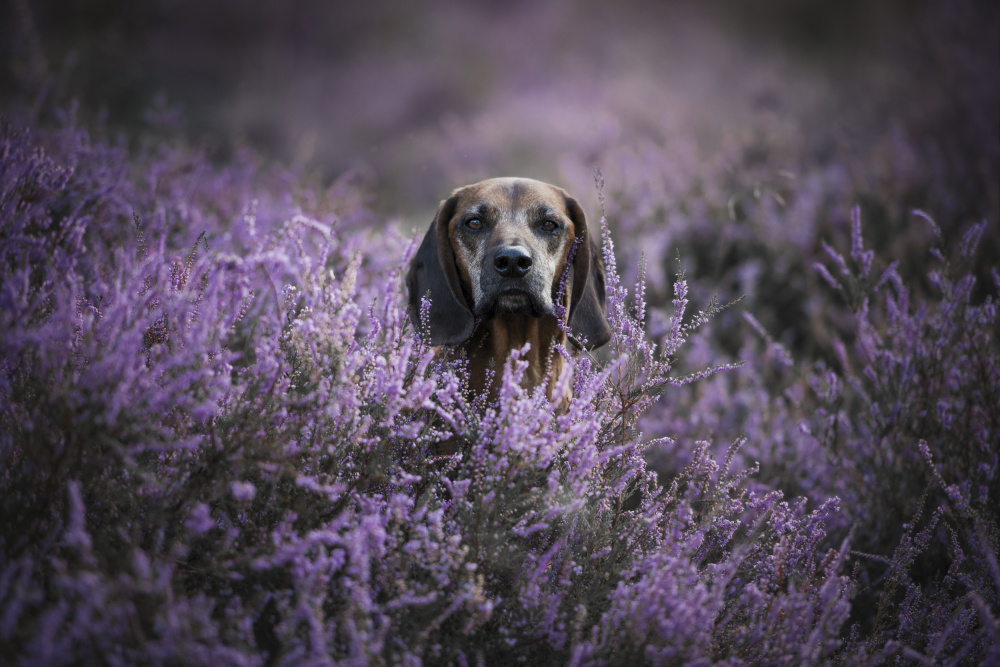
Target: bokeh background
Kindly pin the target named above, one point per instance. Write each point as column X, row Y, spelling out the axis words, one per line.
column 418, row 98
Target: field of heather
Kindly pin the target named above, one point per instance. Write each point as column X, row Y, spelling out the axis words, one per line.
column 219, row 430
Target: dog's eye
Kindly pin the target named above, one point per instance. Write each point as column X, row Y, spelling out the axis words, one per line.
column 549, row 226
column 475, row 224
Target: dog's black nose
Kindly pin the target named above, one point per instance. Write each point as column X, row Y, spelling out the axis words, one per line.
column 512, row 262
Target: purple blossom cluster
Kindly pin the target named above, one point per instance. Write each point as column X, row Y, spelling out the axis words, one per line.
column 219, row 434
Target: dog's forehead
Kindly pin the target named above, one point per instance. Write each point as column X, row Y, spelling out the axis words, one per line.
column 511, row 195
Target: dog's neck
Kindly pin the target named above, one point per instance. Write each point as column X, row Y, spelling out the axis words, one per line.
column 490, row 345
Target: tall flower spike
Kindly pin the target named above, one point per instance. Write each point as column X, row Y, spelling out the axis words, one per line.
column 858, row 253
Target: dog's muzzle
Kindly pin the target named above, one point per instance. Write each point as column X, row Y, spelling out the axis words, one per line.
column 512, row 286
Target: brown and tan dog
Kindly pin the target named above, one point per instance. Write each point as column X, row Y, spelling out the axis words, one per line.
column 492, row 262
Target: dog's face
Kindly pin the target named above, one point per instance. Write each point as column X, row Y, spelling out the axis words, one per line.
column 501, row 247
column 511, row 238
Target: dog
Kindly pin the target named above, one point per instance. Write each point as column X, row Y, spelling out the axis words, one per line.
column 492, row 263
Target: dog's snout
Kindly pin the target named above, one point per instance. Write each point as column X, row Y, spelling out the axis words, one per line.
column 512, row 262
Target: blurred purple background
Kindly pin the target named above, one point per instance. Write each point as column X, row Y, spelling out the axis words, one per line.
column 422, row 97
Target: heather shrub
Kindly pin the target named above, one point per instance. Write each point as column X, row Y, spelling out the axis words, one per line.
column 901, row 424
column 839, row 388
column 218, row 445
column 922, row 386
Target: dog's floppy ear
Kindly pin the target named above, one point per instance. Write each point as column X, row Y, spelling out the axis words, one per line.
column 433, row 270
column 588, row 310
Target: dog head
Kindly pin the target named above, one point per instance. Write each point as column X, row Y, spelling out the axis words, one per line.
column 500, row 247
